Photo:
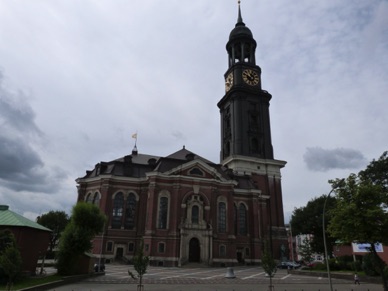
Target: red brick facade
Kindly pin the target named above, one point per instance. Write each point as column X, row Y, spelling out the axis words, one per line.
column 211, row 216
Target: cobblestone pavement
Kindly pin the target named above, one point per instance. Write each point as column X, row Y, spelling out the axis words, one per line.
column 116, row 278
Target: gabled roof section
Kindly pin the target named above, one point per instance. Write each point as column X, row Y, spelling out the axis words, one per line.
column 10, row 218
column 186, row 155
column 195, row 168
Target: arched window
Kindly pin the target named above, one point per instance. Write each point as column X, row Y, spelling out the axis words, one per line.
column 89, row 198
column 195, row 214
column 221, row 217
column 242, row 213
column 163, row 211
column 96, row 199
column 117, row 210
column 130, row 210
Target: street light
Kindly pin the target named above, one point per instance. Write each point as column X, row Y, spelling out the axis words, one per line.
column 324, row 240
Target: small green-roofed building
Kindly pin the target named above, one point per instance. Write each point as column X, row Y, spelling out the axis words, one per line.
column 32, row 238
column 10, row 218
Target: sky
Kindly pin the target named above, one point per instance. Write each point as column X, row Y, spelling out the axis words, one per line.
column 79, row 77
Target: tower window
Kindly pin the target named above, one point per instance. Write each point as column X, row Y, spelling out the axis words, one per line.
column 254, row 146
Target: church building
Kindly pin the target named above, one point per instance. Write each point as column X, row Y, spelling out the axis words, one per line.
column 188, row 209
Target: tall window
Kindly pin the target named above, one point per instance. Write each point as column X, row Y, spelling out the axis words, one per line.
column 89, row 198
column 195, row 214
column 235, row 218
column 96, row 199
column 242, row 213
column 117, row 210
column 130, row 209
column 163, row 210
column 221, row 217
column 222, row 251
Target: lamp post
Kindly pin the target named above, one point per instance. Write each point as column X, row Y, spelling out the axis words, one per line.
column 324, row 240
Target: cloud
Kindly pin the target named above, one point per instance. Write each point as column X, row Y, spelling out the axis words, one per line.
column 21, row 166
column 322, row 160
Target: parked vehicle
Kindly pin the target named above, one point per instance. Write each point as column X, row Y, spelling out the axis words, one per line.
column 99, row 267
column 288, row 265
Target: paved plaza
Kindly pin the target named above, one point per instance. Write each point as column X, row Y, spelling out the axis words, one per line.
column 116, row 278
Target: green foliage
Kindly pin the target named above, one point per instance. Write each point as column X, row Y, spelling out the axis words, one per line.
column 140, row 263
column 77, row 236
column 377, row 172
column 360, row 214
column 28, row 282
column 308, row 220
column 319, row 267
column 306, row 251
column 10, row 258
column 56, row 221
column 268, row 263
column 348, row 263
column 369, row 266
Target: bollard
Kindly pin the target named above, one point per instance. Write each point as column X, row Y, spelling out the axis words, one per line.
column 230, row 273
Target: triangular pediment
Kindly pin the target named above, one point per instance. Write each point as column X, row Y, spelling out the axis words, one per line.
column 197, row 169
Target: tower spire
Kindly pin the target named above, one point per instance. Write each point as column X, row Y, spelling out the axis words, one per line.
column 239, row 18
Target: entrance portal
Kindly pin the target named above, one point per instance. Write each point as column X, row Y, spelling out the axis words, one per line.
column 119, row 253
column 194, row 250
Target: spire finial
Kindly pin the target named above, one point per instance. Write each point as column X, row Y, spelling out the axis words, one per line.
column 239, row 19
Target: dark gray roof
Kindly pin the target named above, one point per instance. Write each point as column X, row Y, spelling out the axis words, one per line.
column 138, row 165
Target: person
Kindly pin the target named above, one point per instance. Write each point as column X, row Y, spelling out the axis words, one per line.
column 356, row 279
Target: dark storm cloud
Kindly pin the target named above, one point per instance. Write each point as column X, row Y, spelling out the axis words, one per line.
column 322, row 160
column 21, row 166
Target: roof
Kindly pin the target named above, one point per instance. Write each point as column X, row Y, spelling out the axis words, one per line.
column 10, row 218
column 137, row 165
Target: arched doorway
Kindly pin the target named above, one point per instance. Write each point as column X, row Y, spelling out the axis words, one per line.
column 194, row 250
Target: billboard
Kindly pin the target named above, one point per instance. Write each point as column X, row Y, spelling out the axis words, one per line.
column 365, row 248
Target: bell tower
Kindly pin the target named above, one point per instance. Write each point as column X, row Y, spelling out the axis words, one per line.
column 245, row 122
column 246, row 146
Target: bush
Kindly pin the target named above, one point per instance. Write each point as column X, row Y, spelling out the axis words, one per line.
column 368, row 265
column 319, row 267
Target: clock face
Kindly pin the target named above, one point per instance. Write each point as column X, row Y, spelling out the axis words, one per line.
column 250, row 77
column 229, row 82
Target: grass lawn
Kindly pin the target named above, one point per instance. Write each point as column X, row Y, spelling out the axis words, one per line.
column 32, row 281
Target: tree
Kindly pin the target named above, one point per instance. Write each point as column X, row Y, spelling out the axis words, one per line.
column 308, row 220
column 140, row 263
column 269, row 265
column 10, row 258
column 377, row 172
column 360, row 214
column 86, row 221
column 56, row 221
column 305, row 250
